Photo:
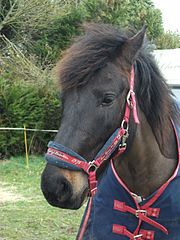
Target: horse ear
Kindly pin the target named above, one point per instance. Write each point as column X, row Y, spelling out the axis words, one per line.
column 133, row 45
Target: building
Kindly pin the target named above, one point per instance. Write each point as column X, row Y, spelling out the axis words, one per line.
column 169, row 63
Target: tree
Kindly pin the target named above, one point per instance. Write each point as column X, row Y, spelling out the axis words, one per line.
column 19, row 19
column 52, row 39
column 126, row 13
column 168, row 40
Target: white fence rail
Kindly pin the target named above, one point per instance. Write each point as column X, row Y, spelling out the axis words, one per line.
column 27, row 129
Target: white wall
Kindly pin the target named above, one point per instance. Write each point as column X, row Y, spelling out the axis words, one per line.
column 169, row 63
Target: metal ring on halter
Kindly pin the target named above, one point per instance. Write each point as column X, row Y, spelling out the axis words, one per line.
column 125, row 125
column 128, row 98
column 92, row 167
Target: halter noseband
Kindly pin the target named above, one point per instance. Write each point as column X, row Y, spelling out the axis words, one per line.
column 64, row 157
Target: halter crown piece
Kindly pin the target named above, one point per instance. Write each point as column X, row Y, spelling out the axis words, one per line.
column 64, row 157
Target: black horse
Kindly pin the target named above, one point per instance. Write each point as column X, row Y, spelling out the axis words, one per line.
column 102, row 76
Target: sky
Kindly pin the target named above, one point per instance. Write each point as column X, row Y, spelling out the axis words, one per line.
column 170, row 12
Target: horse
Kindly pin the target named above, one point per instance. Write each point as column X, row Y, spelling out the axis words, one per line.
column 118, row 142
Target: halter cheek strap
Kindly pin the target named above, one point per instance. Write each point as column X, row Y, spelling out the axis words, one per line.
column 131, row 99
column 64, row 157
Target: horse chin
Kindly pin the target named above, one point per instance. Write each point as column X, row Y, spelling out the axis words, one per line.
column 73, row 203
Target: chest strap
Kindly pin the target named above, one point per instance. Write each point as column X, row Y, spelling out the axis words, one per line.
column 143, row 234
column 142, row 214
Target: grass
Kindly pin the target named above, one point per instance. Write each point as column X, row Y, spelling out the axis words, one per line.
column 32, row 218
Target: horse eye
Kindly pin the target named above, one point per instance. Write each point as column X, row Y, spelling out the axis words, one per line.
column 108, row 99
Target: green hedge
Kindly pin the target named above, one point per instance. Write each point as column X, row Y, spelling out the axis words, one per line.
column 29, row 104
column 48, row 43
column 52, row 40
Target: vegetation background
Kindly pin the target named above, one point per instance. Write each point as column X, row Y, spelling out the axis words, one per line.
column 33, row 36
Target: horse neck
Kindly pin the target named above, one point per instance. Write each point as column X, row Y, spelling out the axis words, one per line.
column 144, row 168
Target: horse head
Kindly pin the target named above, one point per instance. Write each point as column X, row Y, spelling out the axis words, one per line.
column 94, row 76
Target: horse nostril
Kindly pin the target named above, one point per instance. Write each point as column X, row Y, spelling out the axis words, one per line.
column 56, row 188
column 64, row 190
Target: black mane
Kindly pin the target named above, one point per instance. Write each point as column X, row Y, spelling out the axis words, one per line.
column 154, row 96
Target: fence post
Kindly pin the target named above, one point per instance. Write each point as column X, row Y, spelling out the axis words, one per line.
column 26, row 147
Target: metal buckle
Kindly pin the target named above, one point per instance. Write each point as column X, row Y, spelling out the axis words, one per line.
column 137, row 236
column 141, row 211
column 129, row 98
column 92, row 167
column 122, row 145
column 123, row 142
column 125, row 125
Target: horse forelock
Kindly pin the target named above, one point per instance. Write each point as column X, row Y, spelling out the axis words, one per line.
column 89, row 54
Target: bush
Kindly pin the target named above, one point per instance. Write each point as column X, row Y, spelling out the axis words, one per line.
column 28, row 96
column 168, row 40
column 23, row 103
column 48, row 43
